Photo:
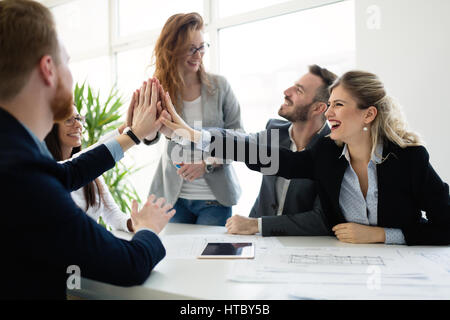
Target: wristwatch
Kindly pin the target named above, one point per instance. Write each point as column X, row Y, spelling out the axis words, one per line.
column 131, row 134
column 209, row 165
column 149, row 142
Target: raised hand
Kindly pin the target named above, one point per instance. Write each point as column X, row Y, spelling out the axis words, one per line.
column 164, row 114
column 144, row 122
column 161, row 112
column 177, row 124
column 129, row 120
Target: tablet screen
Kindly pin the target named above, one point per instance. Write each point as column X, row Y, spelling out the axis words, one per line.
column 228, row 250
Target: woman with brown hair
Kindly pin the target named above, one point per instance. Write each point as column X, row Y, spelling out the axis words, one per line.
column 63, row 142
column 373, row 175
column 202, row 190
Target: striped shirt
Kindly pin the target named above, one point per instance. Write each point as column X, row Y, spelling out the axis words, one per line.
column 362, row 210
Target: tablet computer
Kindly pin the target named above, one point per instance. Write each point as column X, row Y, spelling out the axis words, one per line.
column 228, row 250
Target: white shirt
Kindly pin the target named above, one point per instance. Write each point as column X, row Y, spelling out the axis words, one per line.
column 199, row 188
column 108, row 209
column 281, row 184
column 362, row 210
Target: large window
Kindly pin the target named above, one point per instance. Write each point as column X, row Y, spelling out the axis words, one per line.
column 261, row 59
column 133, row 66
column 143, row 15
column 83, row 25
column 260, row 46
column 229, row 8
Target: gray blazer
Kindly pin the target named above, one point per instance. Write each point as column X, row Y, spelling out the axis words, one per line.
column 302, row 213
column 220, row 110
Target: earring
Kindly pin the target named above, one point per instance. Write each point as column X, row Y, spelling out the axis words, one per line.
column 365, row 129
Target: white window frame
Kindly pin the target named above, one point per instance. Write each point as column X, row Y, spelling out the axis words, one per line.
column 212, row 20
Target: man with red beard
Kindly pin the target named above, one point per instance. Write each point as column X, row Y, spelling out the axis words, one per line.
column 45, row 235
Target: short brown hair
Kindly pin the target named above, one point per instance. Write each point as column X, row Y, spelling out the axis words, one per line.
column 328, row 78
column 27, row 33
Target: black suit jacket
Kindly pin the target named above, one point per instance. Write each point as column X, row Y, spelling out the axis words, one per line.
column 44, row 232
column 407, row 183
column 302, row 213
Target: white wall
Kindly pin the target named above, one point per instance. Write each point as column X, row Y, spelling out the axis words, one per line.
column 411, row 53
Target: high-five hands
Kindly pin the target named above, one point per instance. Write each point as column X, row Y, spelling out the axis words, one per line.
column 151, row 110
column 144, row 121
column 148, row 105
column 175, row 124
column 153, row 106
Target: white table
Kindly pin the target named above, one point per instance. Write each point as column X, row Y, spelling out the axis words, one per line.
column 203, row 279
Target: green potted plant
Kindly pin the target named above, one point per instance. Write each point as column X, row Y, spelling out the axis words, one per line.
column 102, row 117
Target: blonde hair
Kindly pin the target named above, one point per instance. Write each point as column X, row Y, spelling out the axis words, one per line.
column 390, row 123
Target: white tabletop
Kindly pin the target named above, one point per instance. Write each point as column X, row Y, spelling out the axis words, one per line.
column 204, row 279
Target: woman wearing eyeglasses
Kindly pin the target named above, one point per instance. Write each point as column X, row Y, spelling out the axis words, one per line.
column 202, row 191
column 64, row 141
column 373, row 175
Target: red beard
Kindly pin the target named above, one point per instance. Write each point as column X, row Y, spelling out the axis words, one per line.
column 62, row 103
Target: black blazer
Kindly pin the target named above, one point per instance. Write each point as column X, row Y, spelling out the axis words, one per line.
column 407, row 184
column 44, row 232
column 302, row 213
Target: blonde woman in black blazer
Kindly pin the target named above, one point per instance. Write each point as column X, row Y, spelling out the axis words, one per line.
column 369, row 147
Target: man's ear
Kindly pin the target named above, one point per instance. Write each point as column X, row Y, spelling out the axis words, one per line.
column 320, row 107
column 47, row 70
column 371, row 114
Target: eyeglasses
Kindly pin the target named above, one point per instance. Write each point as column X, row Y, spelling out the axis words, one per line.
column 71, row 121
column 201, row 49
